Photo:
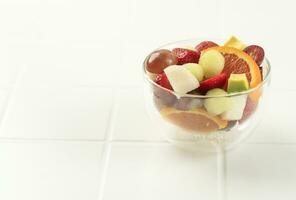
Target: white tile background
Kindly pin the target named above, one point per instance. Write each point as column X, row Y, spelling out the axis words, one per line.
column 73, row 122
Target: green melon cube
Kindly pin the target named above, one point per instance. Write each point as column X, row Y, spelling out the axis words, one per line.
column 237, row 83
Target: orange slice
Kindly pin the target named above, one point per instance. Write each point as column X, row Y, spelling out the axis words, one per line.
column 238, row 62
column 194, row 120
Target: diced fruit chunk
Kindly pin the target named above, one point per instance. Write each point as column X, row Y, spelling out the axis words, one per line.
column 197, row 120
column 235, row 43
column 204, row 45
column 162, row 80
column 185, row 56
column 217, row 103
column 212, row 63
column 160, row 59
column 238, row 62
column 256, row 52
column 181, row 79
column 217, row 81
column 236, row 111
column 196, row 70
column 237, row 83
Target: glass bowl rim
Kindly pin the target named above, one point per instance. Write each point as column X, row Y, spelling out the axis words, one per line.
column 260, row 85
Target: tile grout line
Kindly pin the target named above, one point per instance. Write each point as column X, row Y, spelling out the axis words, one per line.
column 269, row 143
column 90, row 86
column 221, row 173
column 4, row 139
column 14, row 139
column 121, row 141
column 11, row 94
column 107, row 146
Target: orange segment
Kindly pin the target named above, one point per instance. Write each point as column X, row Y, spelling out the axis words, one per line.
column 238, row 62
column 195, row 120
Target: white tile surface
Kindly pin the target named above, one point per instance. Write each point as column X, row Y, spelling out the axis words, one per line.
column 132, row 120
column 262, row 172
column 72, row 20
column 70, row 63
column 164, row 21
column 58, row 113
column 41, row 170
column 277, row 124
column 159, row 172
column 133, row 56
column 263, row 16
column 4, row 99
column 72, row 47
column 9, row 66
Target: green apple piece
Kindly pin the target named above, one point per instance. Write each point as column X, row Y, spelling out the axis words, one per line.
column 237, row 83
column 196, row 70
column 212, row 62
column 217, row 104
column 181, row 79
column 237, row 108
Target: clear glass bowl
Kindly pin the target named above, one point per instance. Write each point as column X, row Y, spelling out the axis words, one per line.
column 195, row 128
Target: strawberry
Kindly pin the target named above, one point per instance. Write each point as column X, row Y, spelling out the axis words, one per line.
column 217, row 81
column 162, row 80
column 204, row 45
column 185, row 56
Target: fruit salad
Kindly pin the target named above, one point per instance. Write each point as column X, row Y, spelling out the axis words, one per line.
column 209, row 87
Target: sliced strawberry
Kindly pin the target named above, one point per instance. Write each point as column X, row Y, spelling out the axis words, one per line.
column 204, row 45
column 217, row 81
column 162, row 80
column 185, row 56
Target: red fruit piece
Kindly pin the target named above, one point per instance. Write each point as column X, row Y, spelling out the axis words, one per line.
column 159, row 60
column 185, row 56
column 204, row 45
column 162, row 80
column 256, row 52
column 217, row 81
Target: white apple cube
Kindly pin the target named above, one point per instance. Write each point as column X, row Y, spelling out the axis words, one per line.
column 181, row 79
column 237, row 108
